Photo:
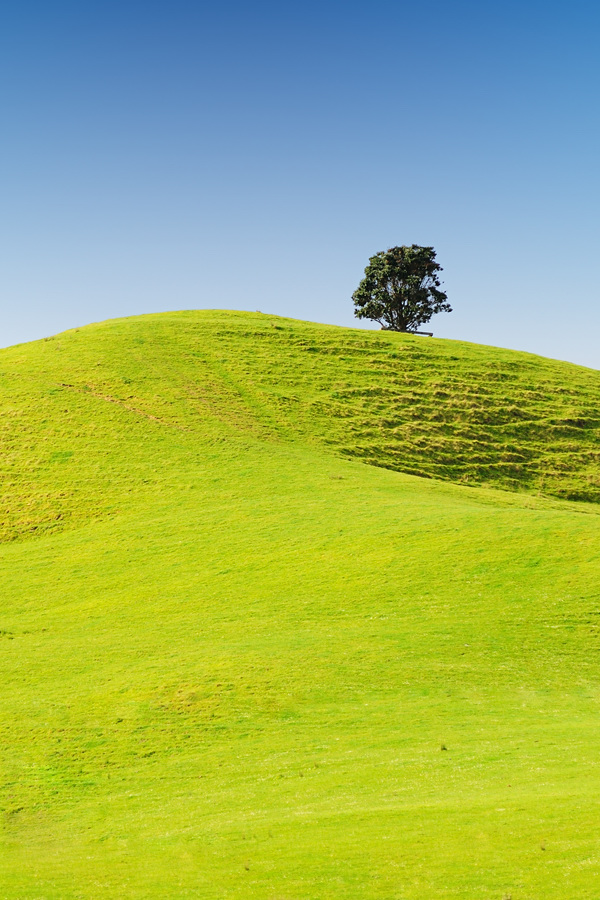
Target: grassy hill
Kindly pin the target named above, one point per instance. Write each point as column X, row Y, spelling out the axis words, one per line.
column 240, row 663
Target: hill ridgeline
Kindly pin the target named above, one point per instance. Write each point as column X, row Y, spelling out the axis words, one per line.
column 75, row 408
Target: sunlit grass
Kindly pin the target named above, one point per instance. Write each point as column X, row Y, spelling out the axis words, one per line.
column 231, row 658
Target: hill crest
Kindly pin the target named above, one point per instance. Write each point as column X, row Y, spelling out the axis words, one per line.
column 81, row 409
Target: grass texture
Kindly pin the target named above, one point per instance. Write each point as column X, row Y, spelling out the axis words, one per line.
column 237, row 662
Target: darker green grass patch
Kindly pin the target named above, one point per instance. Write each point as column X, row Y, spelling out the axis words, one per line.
column 61, row 456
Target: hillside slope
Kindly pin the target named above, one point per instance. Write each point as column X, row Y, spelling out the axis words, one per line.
column 74, row 408
column 237, row 662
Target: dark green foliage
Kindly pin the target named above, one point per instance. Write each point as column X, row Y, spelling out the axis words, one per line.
column 401, row 289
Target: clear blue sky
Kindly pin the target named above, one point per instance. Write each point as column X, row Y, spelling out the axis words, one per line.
column 172, row 155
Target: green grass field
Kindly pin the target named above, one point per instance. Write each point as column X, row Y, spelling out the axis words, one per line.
column 239, row 662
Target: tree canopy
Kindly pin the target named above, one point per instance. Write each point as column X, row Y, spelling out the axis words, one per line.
column 401, row 289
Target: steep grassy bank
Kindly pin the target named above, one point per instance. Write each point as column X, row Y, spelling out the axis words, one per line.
column 231, row 665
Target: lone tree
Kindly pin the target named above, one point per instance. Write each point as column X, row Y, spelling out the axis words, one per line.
column 401, row 289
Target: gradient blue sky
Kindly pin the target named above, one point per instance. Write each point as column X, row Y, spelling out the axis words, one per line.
column 254, row 155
